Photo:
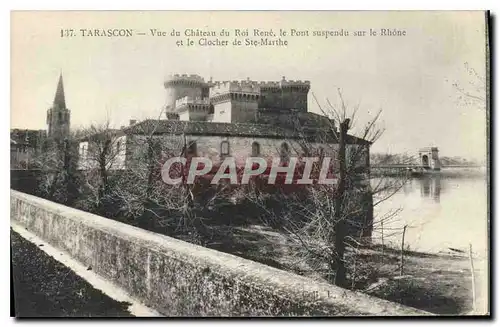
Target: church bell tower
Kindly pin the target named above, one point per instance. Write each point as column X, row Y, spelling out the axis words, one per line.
column 58, row 116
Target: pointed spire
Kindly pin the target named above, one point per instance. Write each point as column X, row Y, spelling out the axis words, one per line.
column 59, row 100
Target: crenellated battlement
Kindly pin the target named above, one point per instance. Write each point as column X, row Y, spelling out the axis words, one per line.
column 285, row 83
column 190, row 77
column 178, row 79
column 195, row 94
column 298, row 83
column 269, row 84
column 263, row 84
column 247, row 86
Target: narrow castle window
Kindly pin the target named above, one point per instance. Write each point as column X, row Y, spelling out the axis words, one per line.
column 224, row 148
column 255, row 149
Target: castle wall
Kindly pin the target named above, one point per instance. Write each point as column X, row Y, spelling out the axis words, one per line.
column 192, row 115
column 184, row 115
column 295, row 99
column 87, row 154
column 180, row 91
column 278, row 98
column 222, row 112
column 239, row 147
column 243, row 111
column 271, row 98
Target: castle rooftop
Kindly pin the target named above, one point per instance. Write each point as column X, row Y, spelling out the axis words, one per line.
column 178, row 127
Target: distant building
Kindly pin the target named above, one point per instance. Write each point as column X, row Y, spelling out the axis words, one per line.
column 58, row 116
column 25, row 144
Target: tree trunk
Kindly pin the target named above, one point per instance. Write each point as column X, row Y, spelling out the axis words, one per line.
column 150, row 163
column 103, row 188
column 67, row 172
column 147, row 220
column 340, row 222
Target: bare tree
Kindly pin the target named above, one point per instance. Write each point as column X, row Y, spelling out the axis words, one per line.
column 142, row 191
column 56, row 160
column 474, row 92
column 141, row 194
column 320, row 221
column 100, row 155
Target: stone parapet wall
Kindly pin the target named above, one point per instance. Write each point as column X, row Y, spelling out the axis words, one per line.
column 181, row 279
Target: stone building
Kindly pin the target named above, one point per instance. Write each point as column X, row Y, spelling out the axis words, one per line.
column 58, row 116
column 233, row 118
column 191, row 98
column 25, row 144
column 237, row 118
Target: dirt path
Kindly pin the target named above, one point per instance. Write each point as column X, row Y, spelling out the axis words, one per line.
column 43, row 287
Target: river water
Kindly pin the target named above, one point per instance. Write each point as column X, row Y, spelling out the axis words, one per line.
column 441, row 211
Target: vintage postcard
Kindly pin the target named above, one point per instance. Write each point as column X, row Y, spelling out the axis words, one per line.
column 250, row 163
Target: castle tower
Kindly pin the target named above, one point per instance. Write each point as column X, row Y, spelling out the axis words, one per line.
column 284, row 95
column 181, row 86
column 235, row 101
column 58, row 116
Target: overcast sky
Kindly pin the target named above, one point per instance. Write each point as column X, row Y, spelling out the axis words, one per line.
column 409, row 77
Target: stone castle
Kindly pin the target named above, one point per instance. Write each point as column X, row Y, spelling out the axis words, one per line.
column 230, row 118
column 191, row 98
column 214, row 120
column 235, row 118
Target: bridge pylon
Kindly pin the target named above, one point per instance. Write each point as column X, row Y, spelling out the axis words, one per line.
column 429, row 158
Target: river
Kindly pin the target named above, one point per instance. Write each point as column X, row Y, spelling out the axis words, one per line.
column 441, row 211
